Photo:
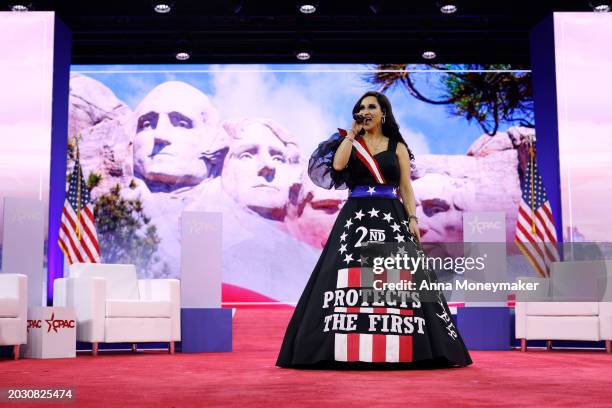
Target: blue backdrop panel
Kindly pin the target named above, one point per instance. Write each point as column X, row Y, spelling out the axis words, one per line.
column 544, row 77
column 59, row 147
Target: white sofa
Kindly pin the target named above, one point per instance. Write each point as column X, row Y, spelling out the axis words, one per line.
column 13, row 311
column 113, row 306
column 546, row 316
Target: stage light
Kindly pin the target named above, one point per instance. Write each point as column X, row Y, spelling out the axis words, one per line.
column 302, row 49
column 308, row 8
column 162, row 8
column 182, row 56
column 19, row 7
column 600, row 6
column 375, row 6
column 429, row 55
column 236, row 6
column 448, row 8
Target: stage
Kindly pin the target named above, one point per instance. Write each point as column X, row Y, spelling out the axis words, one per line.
column 247, row 377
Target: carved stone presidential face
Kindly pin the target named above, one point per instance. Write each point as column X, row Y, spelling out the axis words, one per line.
column 176, row 124
column 261, row 167
column 441, row 201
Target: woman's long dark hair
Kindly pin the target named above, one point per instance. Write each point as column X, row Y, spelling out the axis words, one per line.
column 390, row 127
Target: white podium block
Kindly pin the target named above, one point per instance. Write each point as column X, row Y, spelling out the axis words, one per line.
column 24, row 240
column 484, row 237
column 201, row 259
column 51, row 333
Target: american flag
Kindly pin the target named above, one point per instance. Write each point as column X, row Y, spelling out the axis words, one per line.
column 77, row 237
column 536, row 235
column 372, row 347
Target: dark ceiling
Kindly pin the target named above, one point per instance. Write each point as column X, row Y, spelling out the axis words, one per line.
column 255, row 31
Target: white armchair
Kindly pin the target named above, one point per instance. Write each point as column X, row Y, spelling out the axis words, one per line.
column 546, row 316
column 13, row 311
column 113, row 306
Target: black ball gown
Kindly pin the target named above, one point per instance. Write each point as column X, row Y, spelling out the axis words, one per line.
column 344, row 318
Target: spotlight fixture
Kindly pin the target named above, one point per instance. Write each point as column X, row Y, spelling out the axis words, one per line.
column 308, row 8
column 236, row 6
column 303, row 49
column 182, row 55
column 600, row 6
column 162, row 8
column 19, row 7
column 428, row 55
column 448, row 8
column 184, row 47
column 375, row 6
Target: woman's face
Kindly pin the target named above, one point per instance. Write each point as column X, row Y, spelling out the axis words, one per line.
column 370, row 109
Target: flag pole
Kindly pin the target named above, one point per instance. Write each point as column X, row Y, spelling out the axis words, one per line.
column 531, row 158
column 78, row 223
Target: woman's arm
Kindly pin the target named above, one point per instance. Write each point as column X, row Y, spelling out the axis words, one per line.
column 406, row 190
column 343, row 154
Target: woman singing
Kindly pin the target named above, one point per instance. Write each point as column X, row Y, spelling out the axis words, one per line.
column 354, row 312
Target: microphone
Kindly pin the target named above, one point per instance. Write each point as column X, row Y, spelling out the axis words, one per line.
column 359, row 119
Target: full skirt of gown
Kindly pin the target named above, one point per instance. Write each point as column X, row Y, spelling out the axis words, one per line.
column 344, row 319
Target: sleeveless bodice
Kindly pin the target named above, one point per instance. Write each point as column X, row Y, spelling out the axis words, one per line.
column 387, row 162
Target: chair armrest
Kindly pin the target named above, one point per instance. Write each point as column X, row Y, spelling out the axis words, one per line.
column 605, row 308
column 521, row 300
column 168, row 290
column 59, row 292
column 87, row 296
column 15, row 285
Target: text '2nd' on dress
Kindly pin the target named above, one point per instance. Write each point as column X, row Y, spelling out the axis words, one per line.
column 343, row 319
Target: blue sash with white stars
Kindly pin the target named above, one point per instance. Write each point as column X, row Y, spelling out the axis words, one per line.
column 375, row 191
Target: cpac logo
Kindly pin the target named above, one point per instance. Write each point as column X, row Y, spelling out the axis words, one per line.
column 58, row 324
column 197, row 227
column 34, row 324
column 52, row 324
column 481, row 226
column 23, row 216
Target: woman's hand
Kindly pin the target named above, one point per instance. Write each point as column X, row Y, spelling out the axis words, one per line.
column 354, row 130
column 343, row 153
column 414, row 228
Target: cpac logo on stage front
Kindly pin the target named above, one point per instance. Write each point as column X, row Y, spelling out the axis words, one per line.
column 34, row 324
column 481, row 226
column 58, row 324
column 52, row 324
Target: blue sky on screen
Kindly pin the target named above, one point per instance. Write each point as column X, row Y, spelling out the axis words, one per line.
column 311, row 101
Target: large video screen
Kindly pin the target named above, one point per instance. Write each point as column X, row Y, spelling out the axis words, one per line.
column 26, row 81
column 583, row 64
column 155, row 141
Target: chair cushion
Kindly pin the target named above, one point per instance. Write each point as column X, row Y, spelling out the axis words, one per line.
column 562, row 328
column 562, row 308
column 9, row 307
column 121, row 279
column 137, row 308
